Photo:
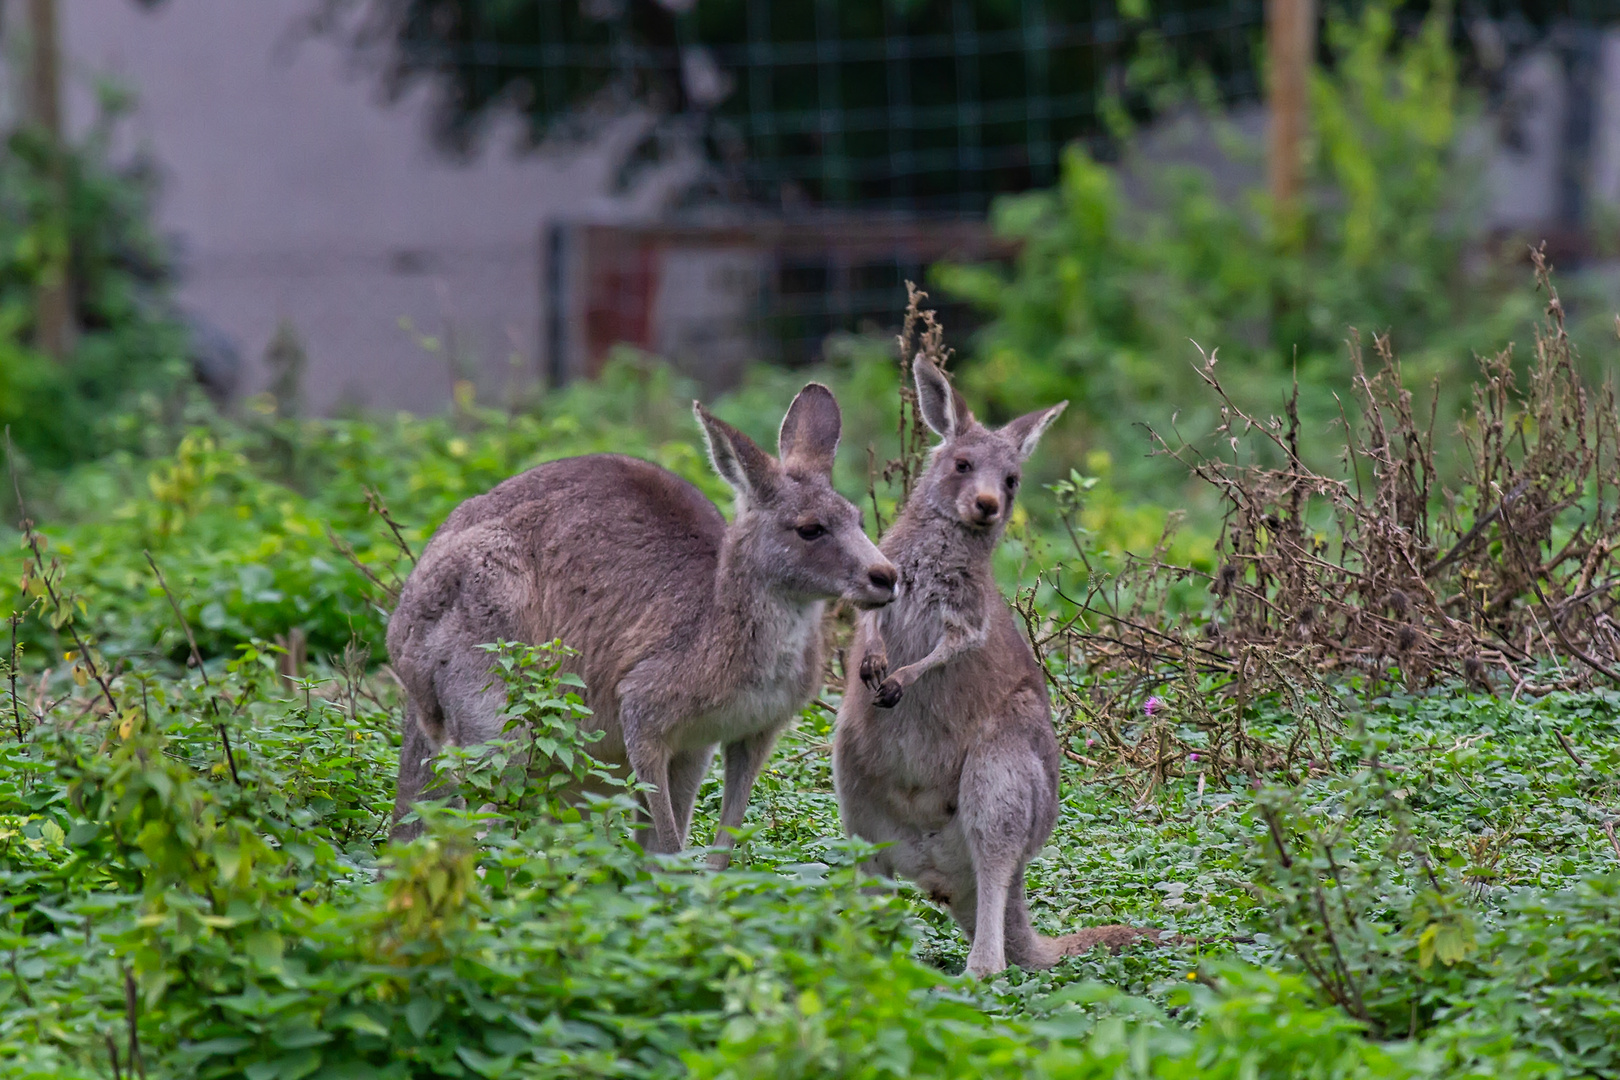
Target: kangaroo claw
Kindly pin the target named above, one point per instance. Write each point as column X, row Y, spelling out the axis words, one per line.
column 889, row 694
column 874, row 669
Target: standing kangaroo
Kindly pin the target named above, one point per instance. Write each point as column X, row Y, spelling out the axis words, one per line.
column 950, row 757
column 691, row 633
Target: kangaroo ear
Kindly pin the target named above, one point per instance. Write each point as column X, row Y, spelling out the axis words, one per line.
column 1027, row 430
column 737, row 458
column 943, row 409
column 809, row 437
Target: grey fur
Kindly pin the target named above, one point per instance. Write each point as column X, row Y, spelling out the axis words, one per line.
column 949, row 756
column 691, row 633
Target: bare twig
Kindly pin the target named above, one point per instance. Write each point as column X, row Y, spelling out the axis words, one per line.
column 374, row 500
column 136, row 1063
column 191, row 640
column 196, row 658
column 346, row 549
column 11, row 672
column 1563, row 741
column 1552, row 617
column 32, row 539
column 22, row 986
column 112, row 1054
column 809, row 751
column 1473, row 534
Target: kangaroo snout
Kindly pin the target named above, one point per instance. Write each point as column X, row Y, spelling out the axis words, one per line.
column 881, row 578
column 985, row 508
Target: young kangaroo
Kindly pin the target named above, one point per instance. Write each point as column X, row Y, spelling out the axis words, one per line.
column 691, row 633
column 944, row 746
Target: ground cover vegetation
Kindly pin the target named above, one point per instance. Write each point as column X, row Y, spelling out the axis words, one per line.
column 1368, row 865
column 1349, row 735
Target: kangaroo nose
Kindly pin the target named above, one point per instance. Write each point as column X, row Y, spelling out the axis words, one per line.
column 882, row 577
column 987, row 505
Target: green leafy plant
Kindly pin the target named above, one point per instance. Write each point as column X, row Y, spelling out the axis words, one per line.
column 1367, row 929
column 540, row 765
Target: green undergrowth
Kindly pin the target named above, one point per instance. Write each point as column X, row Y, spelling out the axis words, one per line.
column 242, row 910
column 246, row 516
column 196, row 879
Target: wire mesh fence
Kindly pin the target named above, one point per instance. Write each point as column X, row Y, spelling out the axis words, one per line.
column 920, row 105
column 922, row 108
column 858, row 104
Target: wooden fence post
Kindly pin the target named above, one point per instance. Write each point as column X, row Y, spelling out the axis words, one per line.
column 1290, row 49
column 54, row 316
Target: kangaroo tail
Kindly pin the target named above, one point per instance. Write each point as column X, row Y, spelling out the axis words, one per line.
column 1028, row 949
column 1042, row 952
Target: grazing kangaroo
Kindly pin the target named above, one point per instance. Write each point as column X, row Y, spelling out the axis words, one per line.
column 949, row 756
column 691, row 633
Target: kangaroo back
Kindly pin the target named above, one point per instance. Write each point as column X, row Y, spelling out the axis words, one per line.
column 609, row 553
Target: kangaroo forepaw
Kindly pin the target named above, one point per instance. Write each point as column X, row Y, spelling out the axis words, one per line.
column 888, row 695
column 874, row 669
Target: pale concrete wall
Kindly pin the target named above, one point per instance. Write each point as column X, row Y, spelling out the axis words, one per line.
column 296, row 194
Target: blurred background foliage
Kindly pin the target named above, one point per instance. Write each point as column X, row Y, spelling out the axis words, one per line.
column 69, row 210
column 1109, row 294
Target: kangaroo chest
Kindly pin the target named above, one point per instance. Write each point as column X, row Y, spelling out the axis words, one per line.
column 774, row 675
column 930, row 602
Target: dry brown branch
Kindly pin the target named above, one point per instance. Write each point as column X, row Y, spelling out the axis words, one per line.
column 374, row 501
column 343, row 547
column 921, row 334
column 1505, row 577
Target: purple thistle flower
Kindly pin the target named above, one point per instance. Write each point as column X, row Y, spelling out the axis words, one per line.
column 1152, row 705
column 1192, row 757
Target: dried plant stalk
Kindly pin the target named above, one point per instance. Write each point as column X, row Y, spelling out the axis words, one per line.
column 1379, row 571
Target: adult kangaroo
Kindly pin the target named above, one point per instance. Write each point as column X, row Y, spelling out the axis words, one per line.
column 944, row 746
column 691, row 633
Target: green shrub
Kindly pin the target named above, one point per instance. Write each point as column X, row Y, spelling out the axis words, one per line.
column 68, row 209
column 257, row 945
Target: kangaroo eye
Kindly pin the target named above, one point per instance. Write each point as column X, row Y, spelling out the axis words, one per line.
column 964, row 465
column 811, row 532
column 1012, row 483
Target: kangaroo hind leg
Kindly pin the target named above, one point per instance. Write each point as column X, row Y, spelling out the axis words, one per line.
column 416, row 753
column 999, row 789
column 1026, row 948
